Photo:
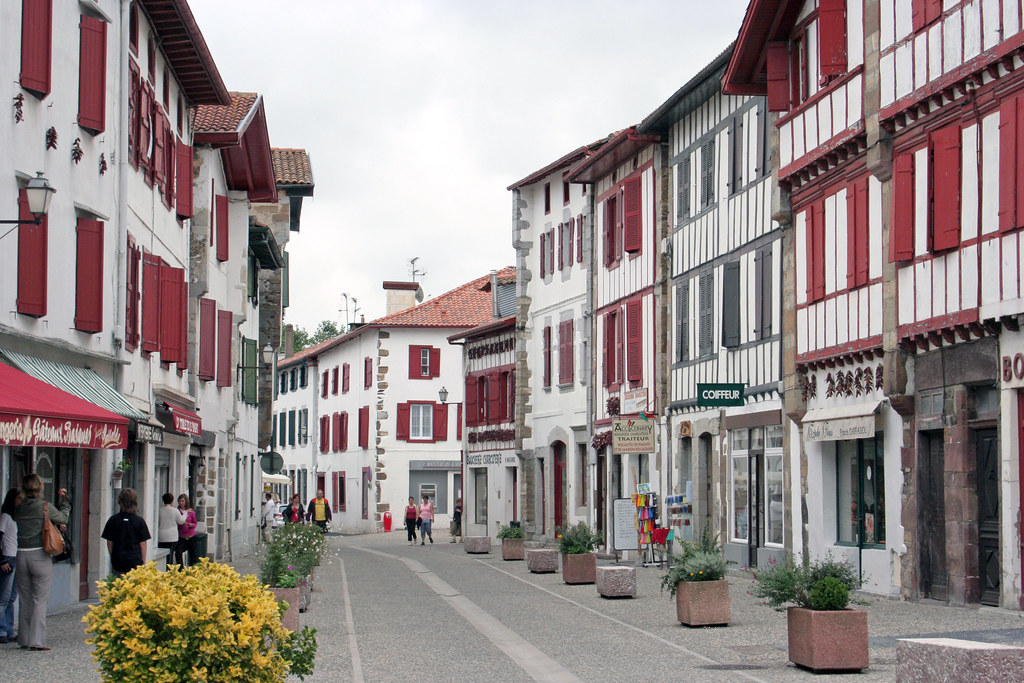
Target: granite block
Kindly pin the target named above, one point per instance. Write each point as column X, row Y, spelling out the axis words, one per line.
column 951, row 659
column 542, row 561
column 616, row 582
column 477, row 544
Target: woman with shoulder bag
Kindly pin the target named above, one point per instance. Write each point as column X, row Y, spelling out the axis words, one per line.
column 35, row 566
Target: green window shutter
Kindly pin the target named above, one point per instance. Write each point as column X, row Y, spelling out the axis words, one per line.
column 284, row 282
column 249, row 360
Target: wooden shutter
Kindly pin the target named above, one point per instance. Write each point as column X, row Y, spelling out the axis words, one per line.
column 707, row 174
column 36, row 44
column 33, row 247
column 547, row 355
column 706, row 312
column 291, row 427
column 731, row 304
column 551, row 251
column 150, row 302
column 134, row 91
column 440, row 422
column 183, row 179
column 543, row 251
column 472, row 408
column 579, row 238
column 346, row 372
column 435, row 362
column 325, row 433
column 207, row 339
column 608, row 232
column 620, row 337
column 857, row 252
column 171, row 313
column 367, row 372
column 335, row 432
column 634, row 340
column 344, row 432
column 494, row 396
column 458, row 422
column 924, row 12
column 146, row 131
column 683, row 189
column 92, row 74
column 250, row 359
column 132, row 277
column 159, row 148
column 632, row 240
column 737, row 157
column 89, row 276
column 1009, row 158
column 323, row 384
column 777, row 59
column 561, row 246
column 225, row 323
column 901, row 238
column 565, row 353
column 222, row 228
column 816, row 253
column 401, row 429
column 764, row 293
column 832, row 36
column 682, row 322
column 183, row 327
column 571, row 241
column 945, row 215
column 415, row 362
column 608, row 374
column 334, row 381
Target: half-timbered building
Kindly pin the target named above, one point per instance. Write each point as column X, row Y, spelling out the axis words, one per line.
column 725, row 454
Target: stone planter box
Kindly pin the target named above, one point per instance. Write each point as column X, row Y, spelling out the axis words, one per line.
column 828, row 641
column 513, row 548
column 952, row 659
column 542, row 561
column 616, row 582
column 290, row 618
column 703, row 603
column 478, row 544
column 579, row 568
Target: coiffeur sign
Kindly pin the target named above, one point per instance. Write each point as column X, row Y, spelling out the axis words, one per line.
column 26, row 430
column 632, row 435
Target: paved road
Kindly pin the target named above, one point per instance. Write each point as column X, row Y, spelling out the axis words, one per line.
column 386, row 611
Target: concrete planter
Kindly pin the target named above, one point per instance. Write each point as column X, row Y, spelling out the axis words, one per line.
column 828, row 641
column 542, row 561
column 703, row 603
column 513, row 548
column 290, row 618
column 477, row 544
column 580, row 568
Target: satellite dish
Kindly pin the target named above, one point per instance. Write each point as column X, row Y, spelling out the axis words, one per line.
column 271, row 462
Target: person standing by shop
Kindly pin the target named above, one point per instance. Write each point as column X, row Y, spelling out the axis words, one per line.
column 269, row 512
column 186, row 533
column 319, row 511
column 169, row 520
column 411, row 515
column 8, row 563
column 126, row 534
column 294, row 513
column 35, row 567
column 426, row 517
column 457, row 522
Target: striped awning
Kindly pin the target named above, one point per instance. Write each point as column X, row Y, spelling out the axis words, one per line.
column 81, row 382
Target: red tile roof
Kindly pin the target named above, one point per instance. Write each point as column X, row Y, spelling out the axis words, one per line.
column 291, row 166
column 465, row 306
column 215, row 118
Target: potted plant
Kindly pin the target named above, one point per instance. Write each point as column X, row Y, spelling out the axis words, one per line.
column 577, row 544
column 824, row 635
column 288, row 561
column 121, row 466
column 513, row 542
column 696, row 578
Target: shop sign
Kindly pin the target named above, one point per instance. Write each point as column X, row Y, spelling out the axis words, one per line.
column 840, row 430
column 186, row 424
column 720, row 395
column 146, row 433
column 632, row 435
column 685, row 428
column 1013, row 368
column 434, row 464
column 483, row 459
column 634, row 400
column 25, row 430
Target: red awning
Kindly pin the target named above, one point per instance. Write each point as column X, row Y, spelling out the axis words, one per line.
column 34, row 413
column 185, row 421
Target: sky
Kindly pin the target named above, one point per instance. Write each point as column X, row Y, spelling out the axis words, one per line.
column 417, row 115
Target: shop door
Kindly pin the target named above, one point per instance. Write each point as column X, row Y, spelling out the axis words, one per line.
column 599, row 493
column 988, row 515
column 83, row 567
column 756, row 508
column 704, row 477
column 559, row 484
column 515, row 493
column 932, row 518
column 543, row 498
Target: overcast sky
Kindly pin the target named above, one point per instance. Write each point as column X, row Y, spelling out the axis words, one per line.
column 418, row 115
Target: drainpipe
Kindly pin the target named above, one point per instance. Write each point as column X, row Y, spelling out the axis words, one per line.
column 123, row 168
column 591, row 379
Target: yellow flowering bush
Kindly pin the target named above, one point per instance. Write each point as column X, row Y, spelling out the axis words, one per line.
column 201, row 623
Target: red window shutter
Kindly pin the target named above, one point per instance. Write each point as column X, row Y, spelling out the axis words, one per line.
column 159, row 147
column 345, row 373
column 92, row 74
column 222, row 228
column 561, row 245
column 207, row 339
column 89, row 276
column 458, row 422
column 1008, row 162
column 323, row 382
column 183, row 326
column 325, row 433
column 634, row 340
column 579, row 239
column 402, row 431
column 336, row 432
column 171, row 163
column 33, row 247
column 415, row 371
column 551, row 250
column 364, row 425
column 857, row 233
column 543, row 251
column 183, row 180
column 225, row 322
column 131, row 327
column 472, row 410
column 932, row 10
column 832, row 36
column 946, row 188
column 440, row 422
column 547, row 355
column 494, row 414
column 632, row 216
column 172, row 306
column 777, row 59
column 334, row 381
column 917, row 14
column 620, row 338
column 367, row 372
column 145, row 137
column 150, row 302
column 901, row 240
column 435, row 362
column 818, row 262
column 36, row 43
column 134, row 90
column 344, row 431
column 1018, row 154
column 569, row 241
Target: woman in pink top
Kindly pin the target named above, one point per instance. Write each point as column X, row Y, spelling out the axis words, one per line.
column 186, row 533
column 426, row 517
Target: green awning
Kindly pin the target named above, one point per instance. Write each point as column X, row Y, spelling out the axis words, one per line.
column 264, row 247
column 81, row 382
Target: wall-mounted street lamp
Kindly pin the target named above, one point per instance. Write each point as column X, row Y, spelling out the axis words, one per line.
column 442, row 394
column 266, row 358
column 38, row 192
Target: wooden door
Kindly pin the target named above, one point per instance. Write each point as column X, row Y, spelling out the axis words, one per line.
column 989, row 565
column 931, row 514
column 559, row 484
column 600, row 486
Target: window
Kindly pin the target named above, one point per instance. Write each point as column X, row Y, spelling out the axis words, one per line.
column 763, row 293
column 480, row 495
column 166, row 89
column 682, row 321
column 365, row 490
column 581, row 467
column 706, row 313
column 133, row 274
column 546, row 341
column 739, row 484
column 612, row 242
column 368, row 372
column 32, row 261
column 683, row 189
column 339, row 491
column 565, row 352
column 565, row 193
column 92, row 74
column 773, row 486
column 707, row 174
column 303, row 426
column 334, row 381
column 421, row 421
column 424, row 362
column 291, row 379
column 36, row 40
column 302, row 377
column 345, row 372
column 89, row 276
column 225, row 325
column 547, row 198
column 133, row 29
column 860, row 497
column 731, row 304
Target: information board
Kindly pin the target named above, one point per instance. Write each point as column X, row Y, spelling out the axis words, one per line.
column 624, row 525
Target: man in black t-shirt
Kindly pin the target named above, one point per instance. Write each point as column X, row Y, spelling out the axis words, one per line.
column 126, row 534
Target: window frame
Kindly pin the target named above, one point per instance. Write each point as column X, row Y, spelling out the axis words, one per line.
column 423, row 408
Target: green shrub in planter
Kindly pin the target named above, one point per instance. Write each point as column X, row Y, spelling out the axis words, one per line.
column 790, row 583
column 700, row 560
column 830, row 594
column 294, row 547
column 509, row 531
column 577, row 539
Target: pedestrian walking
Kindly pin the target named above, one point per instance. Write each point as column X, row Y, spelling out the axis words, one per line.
column 426, row 517
column 126, row 534
column 8, row 564
column 186, row 533
column 319, row 511
column 456, row 530
column 168, row 522
column 35, row 567
column 294, row 513
column 269, row 512
column 411, row 515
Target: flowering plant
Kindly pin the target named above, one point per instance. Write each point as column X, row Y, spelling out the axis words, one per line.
column 293, row 548
column 701, row 560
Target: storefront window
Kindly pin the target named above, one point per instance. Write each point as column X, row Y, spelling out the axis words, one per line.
column 860, row 494
column 773, row 496
column 480, row 494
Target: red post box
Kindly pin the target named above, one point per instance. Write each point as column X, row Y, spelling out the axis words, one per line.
column 387, row 521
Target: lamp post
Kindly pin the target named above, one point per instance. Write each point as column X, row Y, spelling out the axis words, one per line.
column 38, row 192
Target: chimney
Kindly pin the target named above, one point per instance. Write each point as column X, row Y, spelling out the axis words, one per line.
column 289, row 340
column 402, row 296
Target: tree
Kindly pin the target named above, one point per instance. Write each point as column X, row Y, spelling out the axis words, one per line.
column 327, row 329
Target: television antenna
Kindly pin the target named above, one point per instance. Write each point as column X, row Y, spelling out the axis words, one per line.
column 414, row 271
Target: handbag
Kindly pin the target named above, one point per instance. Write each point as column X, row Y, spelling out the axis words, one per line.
column 68, row 548
column 53, row 544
